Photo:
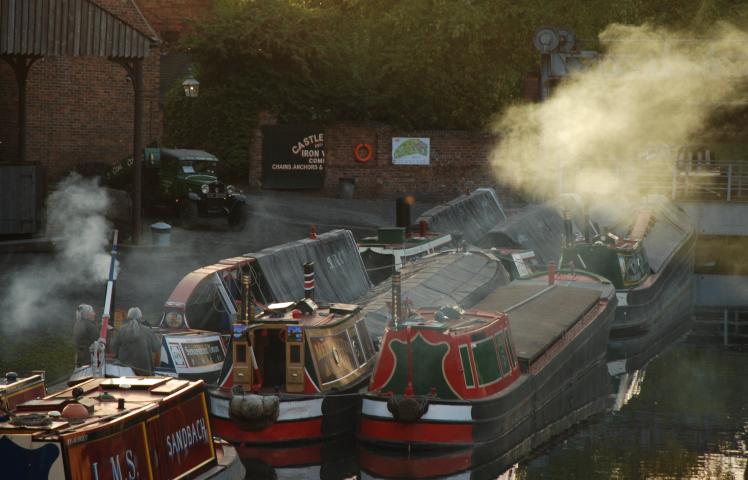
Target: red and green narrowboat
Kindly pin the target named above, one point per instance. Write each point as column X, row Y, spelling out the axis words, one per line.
column 524, row 364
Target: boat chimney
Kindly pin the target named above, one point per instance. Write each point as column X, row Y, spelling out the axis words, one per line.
column 397, row 306
column 551, row 273
column 423, row 227
column 247, row 310
column 568, row 230
column 313, row 232
column 309, row 280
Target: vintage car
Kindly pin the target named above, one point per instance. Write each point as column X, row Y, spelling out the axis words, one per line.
column 185, row 180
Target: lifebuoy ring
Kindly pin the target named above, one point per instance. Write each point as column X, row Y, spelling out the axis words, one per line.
column 365, row 147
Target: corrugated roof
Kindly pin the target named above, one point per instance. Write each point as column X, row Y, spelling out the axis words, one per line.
column 67, row 27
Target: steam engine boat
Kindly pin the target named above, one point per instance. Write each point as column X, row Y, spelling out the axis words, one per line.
column 650, row 261
column 186, row 351
column 138, row 427
column 295, row 374
column 498, row 383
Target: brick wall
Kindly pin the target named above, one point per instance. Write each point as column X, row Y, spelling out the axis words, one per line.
column 174, row 19
column 459, row 162
column 79, row 110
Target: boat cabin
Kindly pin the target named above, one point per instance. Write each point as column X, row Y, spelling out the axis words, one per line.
column 136, row 427
column 621, row 260
column 447, row 353
column 300, row 347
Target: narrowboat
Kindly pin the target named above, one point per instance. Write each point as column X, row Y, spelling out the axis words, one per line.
column 647, row 252
column 114, row 428
column 186, row 352
column 295, row 373
column 524, row 364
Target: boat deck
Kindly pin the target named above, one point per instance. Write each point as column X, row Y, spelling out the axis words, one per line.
column 539, row 314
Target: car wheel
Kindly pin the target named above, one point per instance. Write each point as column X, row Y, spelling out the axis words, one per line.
column 188, row 214
column 237, row 218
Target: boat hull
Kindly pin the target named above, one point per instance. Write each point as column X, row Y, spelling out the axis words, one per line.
column 571, row 387
column 649, row 319
column 301, row 418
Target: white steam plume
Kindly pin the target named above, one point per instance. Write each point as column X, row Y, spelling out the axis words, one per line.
column 42, row 291
column 652, row 87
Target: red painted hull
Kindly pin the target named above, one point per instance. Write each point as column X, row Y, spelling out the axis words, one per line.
column 420, row 433
column 279, row 432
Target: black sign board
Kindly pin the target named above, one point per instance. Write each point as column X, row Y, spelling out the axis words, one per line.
column 293, row 156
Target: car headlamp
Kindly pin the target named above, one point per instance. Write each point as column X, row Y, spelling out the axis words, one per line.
column 205, row 188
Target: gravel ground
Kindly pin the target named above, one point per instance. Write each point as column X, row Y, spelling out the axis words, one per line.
column 148, row 274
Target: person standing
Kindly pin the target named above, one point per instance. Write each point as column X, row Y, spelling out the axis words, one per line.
column 136, row 345
column 85, row 332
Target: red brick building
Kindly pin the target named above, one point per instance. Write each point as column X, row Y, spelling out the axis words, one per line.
column 80, row 108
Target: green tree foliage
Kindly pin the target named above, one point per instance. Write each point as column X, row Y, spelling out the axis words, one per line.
column 447, row 64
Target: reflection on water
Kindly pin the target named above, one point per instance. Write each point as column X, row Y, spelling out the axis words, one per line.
column 687, row 418
column 689, row 421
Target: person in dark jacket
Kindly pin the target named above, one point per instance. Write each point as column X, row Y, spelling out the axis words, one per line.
column 135, row 344
column 85, row 332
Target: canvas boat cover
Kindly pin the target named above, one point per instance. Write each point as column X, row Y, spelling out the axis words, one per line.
column 472, row 215
column 443, row 279
column 536, row 227
column 538, row 313
column 340, row 275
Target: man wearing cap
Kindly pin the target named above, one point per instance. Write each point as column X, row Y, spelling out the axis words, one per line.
column 135, row 344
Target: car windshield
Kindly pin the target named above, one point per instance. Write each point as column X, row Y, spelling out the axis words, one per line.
column 197, row 166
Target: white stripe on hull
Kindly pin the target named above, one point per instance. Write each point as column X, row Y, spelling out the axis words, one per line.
column 436, row 412
column 289, row 409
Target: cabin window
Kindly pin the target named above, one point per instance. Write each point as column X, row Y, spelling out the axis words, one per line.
column 633, row 267
column 356, row 346
column 486, row 364
column 509, row 347
column 503, row 356
column 295, row 353
column 366, row 343
column 467, row 370
column 334, row 356
column 240, row 354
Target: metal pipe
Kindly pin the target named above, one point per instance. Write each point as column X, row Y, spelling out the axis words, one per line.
column 247, row 310
column 309, row 280
column 137, row 148
column 396, row 303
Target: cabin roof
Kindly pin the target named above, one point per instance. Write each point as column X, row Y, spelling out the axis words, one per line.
column 539, row 314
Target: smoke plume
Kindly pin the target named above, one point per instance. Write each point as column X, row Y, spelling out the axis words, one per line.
column 651, row 87
column 42, row 291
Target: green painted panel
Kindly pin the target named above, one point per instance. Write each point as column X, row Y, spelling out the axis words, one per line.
column 486, row 364
column 427, row 368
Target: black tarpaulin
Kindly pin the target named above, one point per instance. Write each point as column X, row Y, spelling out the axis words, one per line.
column 473, row 215
column 537, row 227
column 340, row 275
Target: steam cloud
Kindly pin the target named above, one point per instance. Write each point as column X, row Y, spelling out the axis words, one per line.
column 653, row 87
column 76, row 220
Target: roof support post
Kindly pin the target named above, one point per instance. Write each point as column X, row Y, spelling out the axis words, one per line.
column 134, row 69
column 21, row 66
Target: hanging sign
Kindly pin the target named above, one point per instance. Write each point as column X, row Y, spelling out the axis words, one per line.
column 293, row 156
column 411, row 150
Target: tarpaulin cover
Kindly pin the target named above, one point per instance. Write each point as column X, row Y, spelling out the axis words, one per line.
column 444, row 279
column 340, row 275
column 473, row 215
column 537, row 227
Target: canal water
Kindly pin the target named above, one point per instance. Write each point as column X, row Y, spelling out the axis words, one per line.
column 684, row 416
